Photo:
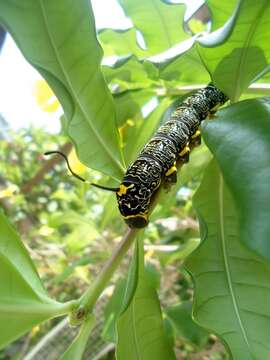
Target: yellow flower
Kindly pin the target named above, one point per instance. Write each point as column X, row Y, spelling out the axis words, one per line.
column 75, row 164
column 9, row 191
column 45, row 230
column 45, row 97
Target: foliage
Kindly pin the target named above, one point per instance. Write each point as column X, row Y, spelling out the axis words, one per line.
column 111, row 110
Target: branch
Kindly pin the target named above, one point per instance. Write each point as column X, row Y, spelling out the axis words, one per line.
column 49, row 164
column 89, row 298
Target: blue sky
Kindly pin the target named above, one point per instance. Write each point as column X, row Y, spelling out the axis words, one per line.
column 17, row 77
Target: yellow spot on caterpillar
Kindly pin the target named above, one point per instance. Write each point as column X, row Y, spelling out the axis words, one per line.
column 197, row 134
column 172, row 170
column 123, row 189
column 185, row 151
column 143, row 215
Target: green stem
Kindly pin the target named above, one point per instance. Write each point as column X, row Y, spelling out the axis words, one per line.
column 89, row 298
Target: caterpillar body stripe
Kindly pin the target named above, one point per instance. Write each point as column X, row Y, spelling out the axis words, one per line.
column 157, row 160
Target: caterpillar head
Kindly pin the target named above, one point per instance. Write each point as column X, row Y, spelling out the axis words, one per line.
column 133, row 202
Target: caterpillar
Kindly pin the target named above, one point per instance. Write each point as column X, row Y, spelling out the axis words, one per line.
column 157, row 161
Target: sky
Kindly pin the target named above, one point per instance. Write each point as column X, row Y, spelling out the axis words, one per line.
column 17, row 77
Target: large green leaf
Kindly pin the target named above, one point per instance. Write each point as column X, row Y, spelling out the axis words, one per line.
column 140, row 327
column 231, row 282
column 245, row 54
column 23, row 300
column 160, row 24
column 240, row 140
column 77, row 347
column 58, row 38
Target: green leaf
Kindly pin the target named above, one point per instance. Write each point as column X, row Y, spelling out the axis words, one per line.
column 77, row 347
column 220, row 11
column 245, row 54
column 59, row 39
column 160, row 24
column 112, row 310
column 185, row 69
column 180, row 317
column 127, row 74
column 133, row 274
column 199, row 159
column 140, row 328
column 220, row 36
column 120, row 42
column 129, row 104
column 136, row 136
column 231, row 282
column 70, row 268
column 123, row 294
column 181, row 252
column 24, row 302
column 240, row 140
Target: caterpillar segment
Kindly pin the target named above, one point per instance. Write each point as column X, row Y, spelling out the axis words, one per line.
column 158, row 159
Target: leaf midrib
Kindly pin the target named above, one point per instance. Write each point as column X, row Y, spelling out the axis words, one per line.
column 226, row 262
column 99, row 138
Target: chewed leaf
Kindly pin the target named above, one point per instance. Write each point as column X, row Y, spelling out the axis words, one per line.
column 232, row 284
column 245, row 53
column 160, row 24
column 240, row 140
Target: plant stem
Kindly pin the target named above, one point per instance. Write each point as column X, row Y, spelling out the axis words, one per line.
column 89, row 298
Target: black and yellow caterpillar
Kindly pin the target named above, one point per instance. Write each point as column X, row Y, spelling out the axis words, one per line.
column 157, row 161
